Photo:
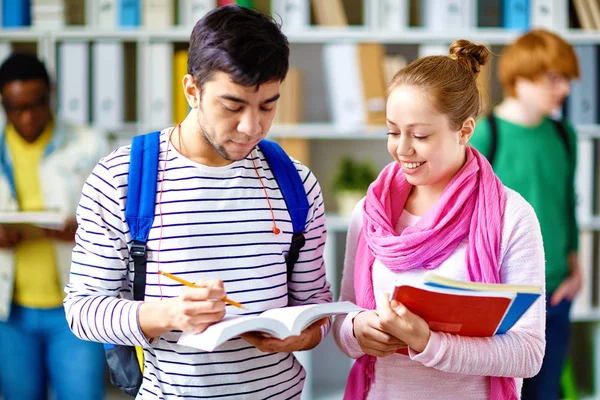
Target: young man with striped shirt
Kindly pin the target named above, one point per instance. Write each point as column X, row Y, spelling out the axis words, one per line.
column 220, row 221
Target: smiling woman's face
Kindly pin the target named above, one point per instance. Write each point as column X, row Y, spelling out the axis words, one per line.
column 421, row 139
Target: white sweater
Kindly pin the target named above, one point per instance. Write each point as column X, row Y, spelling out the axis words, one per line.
column 452, row 366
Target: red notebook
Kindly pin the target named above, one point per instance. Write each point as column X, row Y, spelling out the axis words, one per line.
column 460, row 312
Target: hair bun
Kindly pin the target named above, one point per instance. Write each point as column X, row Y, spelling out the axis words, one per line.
column 469, row 54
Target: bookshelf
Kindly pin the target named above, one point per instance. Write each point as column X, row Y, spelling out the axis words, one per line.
column 328, row 140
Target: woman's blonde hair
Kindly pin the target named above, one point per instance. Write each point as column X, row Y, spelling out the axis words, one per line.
column 449, row 81
column 532, row 55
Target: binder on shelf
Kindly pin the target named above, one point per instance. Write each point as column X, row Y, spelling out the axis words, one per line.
column 489, row 13
column 582, row 103
column 329, row 13
column 16, row 13
column 130, row 13
column 290, row 111
column 245, row 3
column 439, row 15
column 516, row 14
column 107, row 84
column 344, row 85
column 294, row 14
column 584, row 179
column 157, row 13
column 101, row 13
column 583, row 303
column 387, row 15
column 190, row 11
column 161, row 91
column 180, row 104
column 48, row 14
column 289, row 106
column 5, row 50
column 550, row 14
column 371, row 56
column 73, row 78
column 74, row 12
column 391, row 65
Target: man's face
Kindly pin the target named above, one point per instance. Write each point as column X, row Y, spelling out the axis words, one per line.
column 234, row 118
column 27, row 107
column 546, row 94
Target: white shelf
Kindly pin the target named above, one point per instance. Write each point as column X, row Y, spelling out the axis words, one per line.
column 417, row 35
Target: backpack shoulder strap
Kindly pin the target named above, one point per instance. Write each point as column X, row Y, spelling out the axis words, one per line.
column 292, row 188
column 562, row 132
column 140, row 203
column 493, row 138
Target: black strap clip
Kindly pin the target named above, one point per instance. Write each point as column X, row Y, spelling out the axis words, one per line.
column 138, row 249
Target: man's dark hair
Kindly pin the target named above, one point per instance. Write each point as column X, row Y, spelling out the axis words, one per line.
column 22, row 67
column 245, row 44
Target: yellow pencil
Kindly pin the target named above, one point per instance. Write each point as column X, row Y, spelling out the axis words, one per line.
column 190, row 284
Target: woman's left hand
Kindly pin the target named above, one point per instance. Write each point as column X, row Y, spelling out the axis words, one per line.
column 399, row 322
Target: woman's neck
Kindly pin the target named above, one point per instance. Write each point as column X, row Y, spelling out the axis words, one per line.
column 513, row 110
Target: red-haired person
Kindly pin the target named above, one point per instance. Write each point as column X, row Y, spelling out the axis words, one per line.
column 535, row 155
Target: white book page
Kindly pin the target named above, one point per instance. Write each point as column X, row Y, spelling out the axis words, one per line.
column 230, row 327
column 297, row 318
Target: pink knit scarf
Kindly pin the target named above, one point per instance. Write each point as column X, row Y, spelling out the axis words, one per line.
column 471, row 205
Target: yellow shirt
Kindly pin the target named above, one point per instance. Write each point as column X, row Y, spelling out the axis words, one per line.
column 36, row 271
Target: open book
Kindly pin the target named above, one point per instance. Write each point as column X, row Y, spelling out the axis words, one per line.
column 278, row 322
column 466, row 308
column 31, row 223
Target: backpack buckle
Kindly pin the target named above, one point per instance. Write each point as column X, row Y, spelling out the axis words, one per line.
column 138, row 249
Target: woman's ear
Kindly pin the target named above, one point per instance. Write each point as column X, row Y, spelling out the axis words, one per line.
column 466, row 131
column 191, row 91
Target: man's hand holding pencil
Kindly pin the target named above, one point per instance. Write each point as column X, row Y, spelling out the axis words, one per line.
column 193, row 310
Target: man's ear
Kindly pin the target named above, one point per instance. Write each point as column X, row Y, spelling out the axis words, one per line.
column 191, row 91
column 466, row 131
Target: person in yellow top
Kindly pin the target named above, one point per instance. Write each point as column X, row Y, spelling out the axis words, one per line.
column 43, row 164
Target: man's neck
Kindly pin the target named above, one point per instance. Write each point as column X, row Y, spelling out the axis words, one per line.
column 190, row 143
column 513, row 110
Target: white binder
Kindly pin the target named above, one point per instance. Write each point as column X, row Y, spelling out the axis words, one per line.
column 160, row 90
column 550, row 14
column 73, row 78
column 101, row 13
column 440, row 15
column 582, row 103
column 107, row 68
column 386, row 15
column 344, row 85
column 294, row 14
column 190, row 11
column 157, row 13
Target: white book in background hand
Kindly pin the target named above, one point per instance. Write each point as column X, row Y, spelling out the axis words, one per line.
column 41, row 219
column 278, row 322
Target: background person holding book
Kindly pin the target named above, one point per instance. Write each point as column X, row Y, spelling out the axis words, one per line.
column 221, row 222
column 43, row 165
column 536, row 157
column 437, row 207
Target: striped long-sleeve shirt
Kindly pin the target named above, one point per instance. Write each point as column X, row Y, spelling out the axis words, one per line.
column 216, row 224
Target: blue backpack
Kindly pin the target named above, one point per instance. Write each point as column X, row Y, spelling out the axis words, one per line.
column 126, row 362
